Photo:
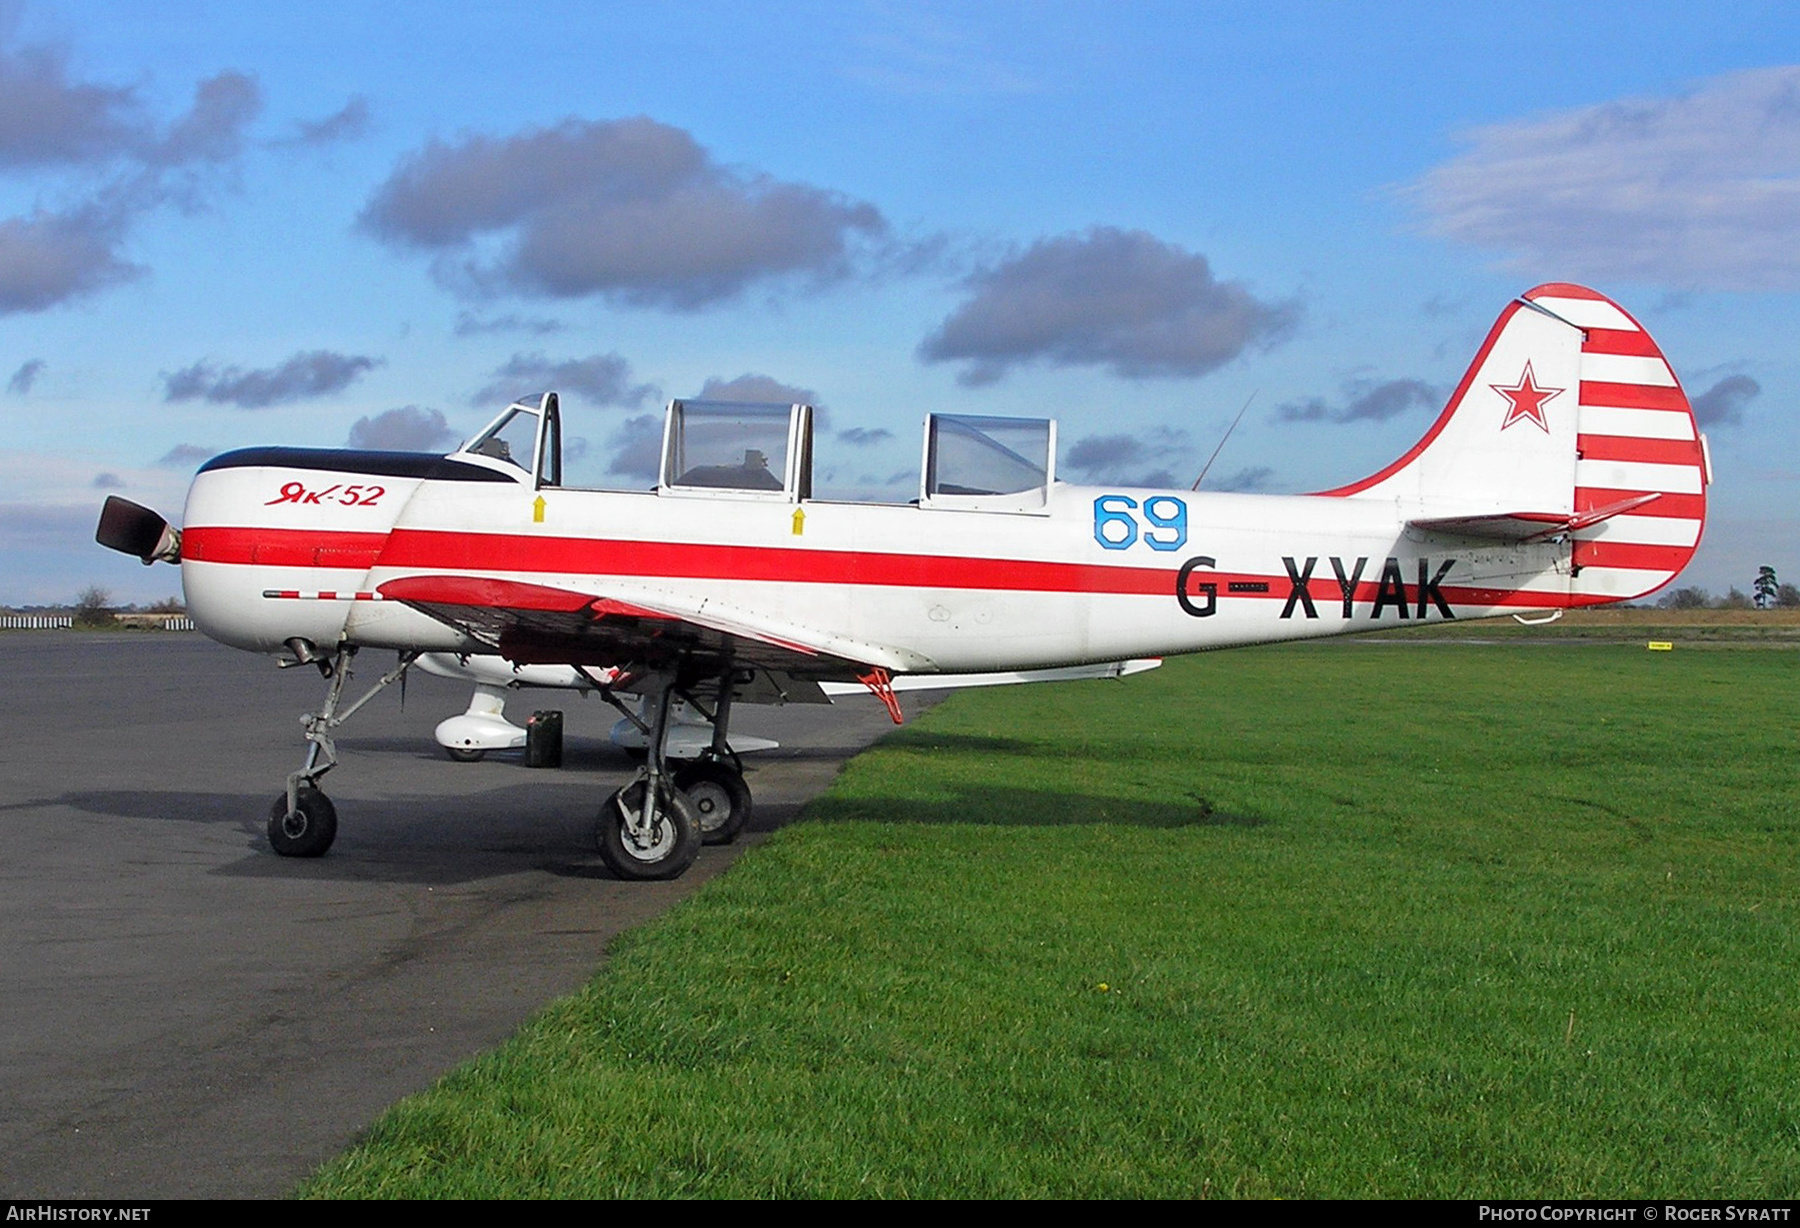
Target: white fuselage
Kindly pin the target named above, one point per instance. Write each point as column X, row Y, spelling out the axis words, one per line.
column 274, row 550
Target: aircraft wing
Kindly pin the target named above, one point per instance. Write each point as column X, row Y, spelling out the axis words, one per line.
column 537, row 624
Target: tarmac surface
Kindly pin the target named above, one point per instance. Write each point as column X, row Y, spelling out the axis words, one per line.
column 183, row 1014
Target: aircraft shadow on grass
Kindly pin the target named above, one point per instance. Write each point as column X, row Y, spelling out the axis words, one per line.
column 970, row 743
column 997, row 806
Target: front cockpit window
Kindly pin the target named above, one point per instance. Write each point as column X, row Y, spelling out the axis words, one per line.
column 526, row 440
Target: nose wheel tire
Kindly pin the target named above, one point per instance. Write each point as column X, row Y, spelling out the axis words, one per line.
column 464, row 754
column 306, row 832
column 665, row 851
column 720, row 796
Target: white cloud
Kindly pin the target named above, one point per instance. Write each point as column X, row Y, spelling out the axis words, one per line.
column 43, row 479
column 1698, row 191
column 632, row 210
column 313, row 373
column 1120, row 299
column 53, row 255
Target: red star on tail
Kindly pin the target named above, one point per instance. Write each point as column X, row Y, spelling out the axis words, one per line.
column 1527, row 400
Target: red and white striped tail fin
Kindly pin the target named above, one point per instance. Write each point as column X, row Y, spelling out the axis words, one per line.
column 1569, row 421
column 1636, row 435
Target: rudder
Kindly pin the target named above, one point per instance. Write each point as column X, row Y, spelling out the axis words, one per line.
column 1636, row 435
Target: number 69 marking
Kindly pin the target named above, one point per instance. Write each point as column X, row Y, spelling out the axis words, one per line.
column 1116, row 522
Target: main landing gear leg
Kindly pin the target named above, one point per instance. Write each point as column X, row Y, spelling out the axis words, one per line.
column 715, row 781
column 649, row 829
column 302, row 821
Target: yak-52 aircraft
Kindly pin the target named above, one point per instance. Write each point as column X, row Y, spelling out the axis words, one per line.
column 1566, row 470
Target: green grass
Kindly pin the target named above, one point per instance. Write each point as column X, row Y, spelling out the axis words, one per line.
column 1339, row 920
column 1778, row 628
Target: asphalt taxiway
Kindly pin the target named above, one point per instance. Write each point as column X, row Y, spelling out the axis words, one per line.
column 185, row 1014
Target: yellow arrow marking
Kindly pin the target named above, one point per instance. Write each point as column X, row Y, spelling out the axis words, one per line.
column 799, row 521
column 537, row 510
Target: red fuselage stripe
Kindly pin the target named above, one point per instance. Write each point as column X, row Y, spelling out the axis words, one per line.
column 422, row 549
column 493, row 552
column 283, row 547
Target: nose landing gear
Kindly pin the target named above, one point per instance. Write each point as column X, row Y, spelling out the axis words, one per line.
column 302, row 820
column 305, row 830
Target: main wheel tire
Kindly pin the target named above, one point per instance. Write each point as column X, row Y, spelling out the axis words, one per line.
column 309, row 830
column 674, row 840
column 720, row 796
column 464, row 754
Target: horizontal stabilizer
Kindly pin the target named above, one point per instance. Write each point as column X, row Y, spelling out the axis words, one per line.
column 1529, row 526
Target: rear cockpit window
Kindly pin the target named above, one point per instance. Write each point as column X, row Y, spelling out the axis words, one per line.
column 988, row 462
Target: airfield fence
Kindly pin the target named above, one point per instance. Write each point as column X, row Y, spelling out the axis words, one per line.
column 65, row 622
column 155, row 622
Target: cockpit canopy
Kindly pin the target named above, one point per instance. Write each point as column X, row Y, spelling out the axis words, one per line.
column 764, row 451
column 995, row 464
column 737, row 446
column 526, row 440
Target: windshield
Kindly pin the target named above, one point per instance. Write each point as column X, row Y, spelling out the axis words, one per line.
column 510, row 439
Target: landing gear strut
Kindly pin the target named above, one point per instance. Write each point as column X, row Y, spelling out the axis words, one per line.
column 716, row 780
column 713, row 782
column 302, row 821
column 649, row 829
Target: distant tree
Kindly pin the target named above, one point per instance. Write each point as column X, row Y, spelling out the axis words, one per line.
column 94, row 607
column 169, row 605
column 1736, row 599
column 1766, row 587
column 1689, row 598
column 1787, row 596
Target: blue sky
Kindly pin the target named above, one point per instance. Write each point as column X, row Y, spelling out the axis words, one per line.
column 223, row 226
